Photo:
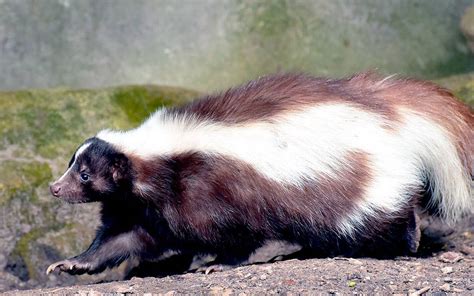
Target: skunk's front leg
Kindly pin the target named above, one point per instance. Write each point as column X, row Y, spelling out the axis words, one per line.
column 108, row 249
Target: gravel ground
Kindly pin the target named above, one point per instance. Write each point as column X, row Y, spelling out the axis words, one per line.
column 446, row 273
column 440, row 273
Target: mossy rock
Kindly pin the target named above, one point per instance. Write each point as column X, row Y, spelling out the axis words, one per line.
column 462, row 86
column 19, row 179
column 50, row 123
column 40, row 130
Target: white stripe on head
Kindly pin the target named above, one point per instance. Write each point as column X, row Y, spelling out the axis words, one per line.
column 79, row 151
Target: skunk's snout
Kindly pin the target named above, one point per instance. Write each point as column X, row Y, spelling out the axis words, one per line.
column 55, row 189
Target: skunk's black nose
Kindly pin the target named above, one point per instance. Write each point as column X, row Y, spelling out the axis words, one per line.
column 55, row 189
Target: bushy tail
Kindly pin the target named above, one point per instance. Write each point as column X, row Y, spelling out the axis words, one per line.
column 439, row 130
column 448, row 163
column 450, row 185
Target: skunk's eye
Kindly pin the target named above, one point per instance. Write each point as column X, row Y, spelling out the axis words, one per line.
column 84, row 177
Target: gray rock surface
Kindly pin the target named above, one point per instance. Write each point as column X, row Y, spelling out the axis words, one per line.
column 210, row 44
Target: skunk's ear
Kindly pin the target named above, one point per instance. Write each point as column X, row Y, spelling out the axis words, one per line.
column 120, row 168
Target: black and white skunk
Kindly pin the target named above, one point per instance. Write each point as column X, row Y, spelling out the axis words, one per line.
column 338, row 167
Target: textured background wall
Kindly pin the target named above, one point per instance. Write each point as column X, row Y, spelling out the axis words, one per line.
column 209, row 44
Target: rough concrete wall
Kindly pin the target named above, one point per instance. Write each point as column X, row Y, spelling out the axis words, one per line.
column 208, row 44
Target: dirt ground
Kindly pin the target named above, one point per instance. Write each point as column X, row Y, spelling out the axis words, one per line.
column 442, row 270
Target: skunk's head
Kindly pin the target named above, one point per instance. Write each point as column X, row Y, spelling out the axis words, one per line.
column 97, row 172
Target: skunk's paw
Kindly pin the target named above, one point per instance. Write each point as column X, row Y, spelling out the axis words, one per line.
column 71, row 266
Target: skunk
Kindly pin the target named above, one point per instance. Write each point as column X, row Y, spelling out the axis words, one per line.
column 336, row 166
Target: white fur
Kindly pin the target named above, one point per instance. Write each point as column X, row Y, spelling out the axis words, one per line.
column 418, row 149
column 303, row 145
column 79, row 151
column 436, row 153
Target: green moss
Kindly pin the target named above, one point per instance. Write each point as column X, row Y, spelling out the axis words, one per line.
column 52, row 123
column 139, row 102
column 20, row 179
column 22, row 249
column 71, row 239
column 36, row 173
column 467, row 94
column 462, row 86
column 38, row 120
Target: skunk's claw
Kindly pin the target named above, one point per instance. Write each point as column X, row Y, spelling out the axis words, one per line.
column 214, row 268
column 70, row 266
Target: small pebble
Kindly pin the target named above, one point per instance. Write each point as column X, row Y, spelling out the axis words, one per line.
column 355, row 261
column 447, row 270
column 445, row 287
column 122, row 289
column 354, row 276
column 420, row 291
column 392, row 287
column 467, row 250
column 450, row 257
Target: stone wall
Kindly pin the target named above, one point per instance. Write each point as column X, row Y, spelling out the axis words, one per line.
column 210, row 44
